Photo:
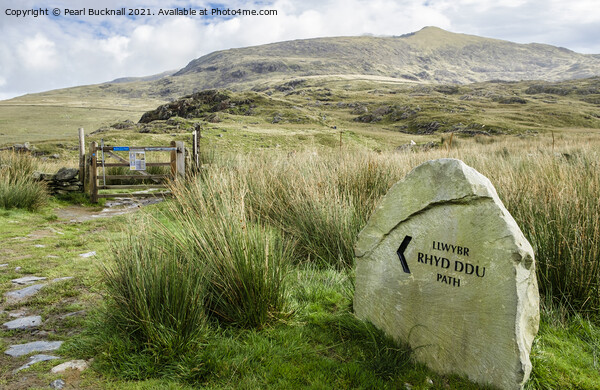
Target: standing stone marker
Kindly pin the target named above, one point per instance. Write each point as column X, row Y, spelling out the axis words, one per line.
column 442, row 266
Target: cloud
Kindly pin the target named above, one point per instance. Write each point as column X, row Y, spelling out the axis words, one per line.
column 43, row 53
column 38, row 53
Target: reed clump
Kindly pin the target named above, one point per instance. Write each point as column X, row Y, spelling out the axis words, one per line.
column 18, row 188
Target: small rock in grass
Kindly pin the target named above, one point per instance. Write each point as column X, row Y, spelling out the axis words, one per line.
column 36, row 359
column 3, row 265
column 24, row 323
column 17, row 268
column 78, row 365
column 58, row 384
column 89, row 254
column 39, row 246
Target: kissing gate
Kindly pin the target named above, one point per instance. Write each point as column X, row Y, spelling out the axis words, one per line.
column 137, row 165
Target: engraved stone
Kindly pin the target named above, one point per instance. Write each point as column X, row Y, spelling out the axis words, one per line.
column 442, row 266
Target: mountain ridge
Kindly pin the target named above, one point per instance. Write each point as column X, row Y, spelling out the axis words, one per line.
column 431, row 55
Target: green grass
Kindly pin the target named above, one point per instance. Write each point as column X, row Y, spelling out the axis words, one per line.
column 56, row 115
column 566, row 353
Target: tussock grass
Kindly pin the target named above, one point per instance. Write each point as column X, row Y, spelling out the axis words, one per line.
column 246, row 261
column 17, row 187
column 554, row 199
column 156, row 294
column 318, row 202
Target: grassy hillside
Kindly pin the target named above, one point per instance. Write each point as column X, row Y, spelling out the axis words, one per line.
column 374, row 112
column 379, row 115
column 56, row 115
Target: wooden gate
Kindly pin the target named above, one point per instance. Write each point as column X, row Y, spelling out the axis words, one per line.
column 98, row 155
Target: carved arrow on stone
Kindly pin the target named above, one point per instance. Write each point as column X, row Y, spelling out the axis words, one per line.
column 400, row 253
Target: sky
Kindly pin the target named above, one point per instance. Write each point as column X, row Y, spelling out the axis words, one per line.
column 40, row 53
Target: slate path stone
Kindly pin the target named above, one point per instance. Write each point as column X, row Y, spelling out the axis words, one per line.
column 18, row 295
column 35, row 346
column 28, row 279
column 24, row 323
column 442, row 265
column 36, row 359
column 17, row 314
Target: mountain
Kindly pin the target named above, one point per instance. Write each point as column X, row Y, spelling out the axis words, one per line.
column 431, row 55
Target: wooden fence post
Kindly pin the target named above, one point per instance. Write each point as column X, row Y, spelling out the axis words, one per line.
column 195, row 150
column 180, row 158
column 82, row 156
column 93, row 186
column 173, row 161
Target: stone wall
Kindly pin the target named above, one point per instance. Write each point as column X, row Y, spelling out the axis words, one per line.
column 62, row 182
